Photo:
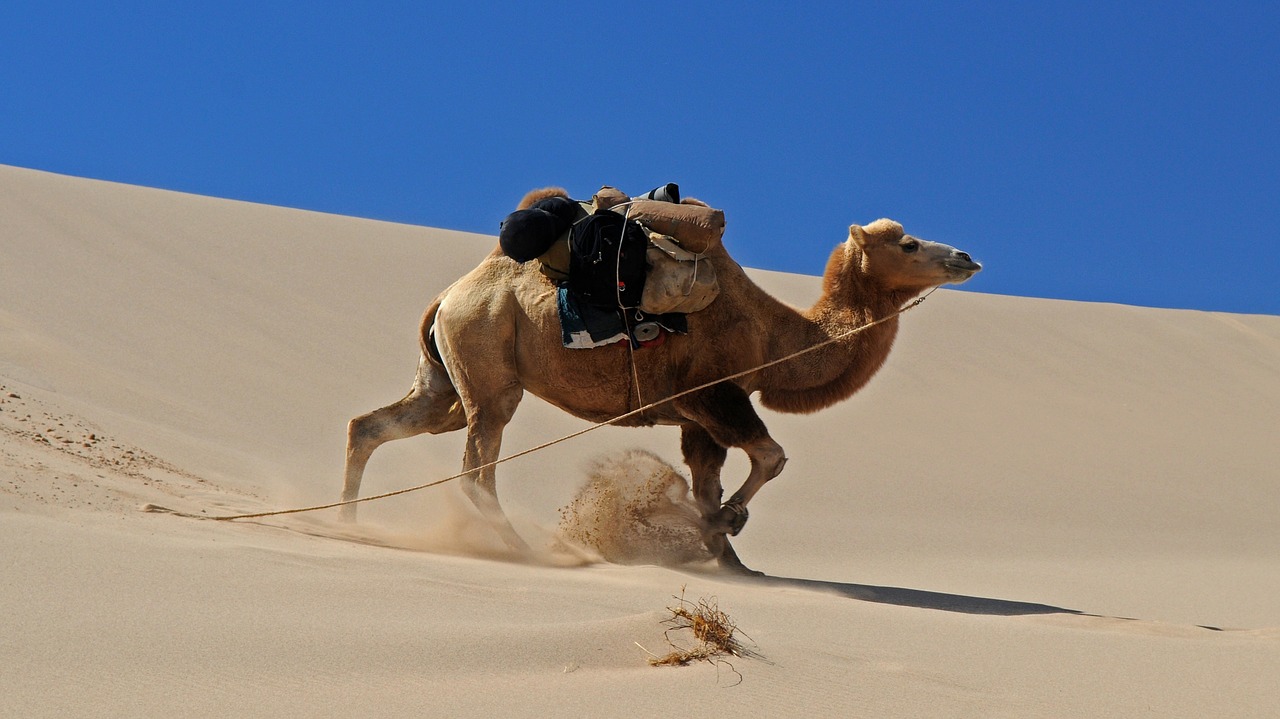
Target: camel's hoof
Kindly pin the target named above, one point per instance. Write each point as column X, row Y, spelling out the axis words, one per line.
column 730, row 564
column 730, row 520
column 736, row 567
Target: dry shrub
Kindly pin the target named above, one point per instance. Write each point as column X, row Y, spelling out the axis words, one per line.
column 713, row 630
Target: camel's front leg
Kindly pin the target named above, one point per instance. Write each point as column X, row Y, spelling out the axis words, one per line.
column 723, row 417
column 767, row 461
column 705, row 458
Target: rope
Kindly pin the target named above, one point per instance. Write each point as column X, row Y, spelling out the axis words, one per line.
column 626, row 319
column 631, row 356
column 829, row 341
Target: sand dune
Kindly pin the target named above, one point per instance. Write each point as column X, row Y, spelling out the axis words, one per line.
column 1038, row 508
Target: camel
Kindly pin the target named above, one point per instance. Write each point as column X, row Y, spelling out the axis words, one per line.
column 495, row 333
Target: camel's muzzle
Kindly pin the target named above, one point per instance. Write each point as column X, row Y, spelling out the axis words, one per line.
column 960, row 266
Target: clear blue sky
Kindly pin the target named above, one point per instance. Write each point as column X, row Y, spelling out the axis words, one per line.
column 1119, row 152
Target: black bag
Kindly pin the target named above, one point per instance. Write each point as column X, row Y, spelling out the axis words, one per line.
column 528, row 233
column 607, row 262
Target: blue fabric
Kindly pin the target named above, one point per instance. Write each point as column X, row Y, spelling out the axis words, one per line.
column 583, row 325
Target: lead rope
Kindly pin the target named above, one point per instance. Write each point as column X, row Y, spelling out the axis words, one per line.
column 832, row 340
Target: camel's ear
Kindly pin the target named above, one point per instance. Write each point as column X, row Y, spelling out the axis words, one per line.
column 857, row 235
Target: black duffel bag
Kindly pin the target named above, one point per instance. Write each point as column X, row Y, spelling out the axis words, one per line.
column 607, row 262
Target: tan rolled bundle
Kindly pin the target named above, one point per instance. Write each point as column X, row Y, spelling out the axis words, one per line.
column 697, row 228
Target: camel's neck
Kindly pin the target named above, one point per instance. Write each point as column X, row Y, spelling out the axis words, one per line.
column 825, row 376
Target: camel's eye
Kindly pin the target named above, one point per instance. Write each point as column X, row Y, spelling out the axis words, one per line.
column 910, row 246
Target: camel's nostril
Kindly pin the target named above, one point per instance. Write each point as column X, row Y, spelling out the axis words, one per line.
column 964, row 256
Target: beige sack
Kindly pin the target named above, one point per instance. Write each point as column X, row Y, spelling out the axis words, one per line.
column 678, row 280
column 696, row 228
column 554, row 263
column 608, row 197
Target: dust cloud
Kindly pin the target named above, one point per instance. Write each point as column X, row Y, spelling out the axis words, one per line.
column 635, row 508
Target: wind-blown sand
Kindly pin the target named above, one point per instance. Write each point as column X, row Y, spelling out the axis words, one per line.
column 1036, row 509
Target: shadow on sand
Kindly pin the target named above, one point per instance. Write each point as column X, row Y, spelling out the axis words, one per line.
column 917, row 598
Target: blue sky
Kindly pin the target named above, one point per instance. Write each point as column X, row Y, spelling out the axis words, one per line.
column 1116, row 152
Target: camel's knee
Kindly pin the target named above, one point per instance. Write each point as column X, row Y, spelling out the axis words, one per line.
column 769, row 457
column 420, row 411
column 361, row 441
column 368, row 432
column 767, row 461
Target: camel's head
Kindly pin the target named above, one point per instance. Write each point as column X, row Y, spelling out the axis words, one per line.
column 898, row 261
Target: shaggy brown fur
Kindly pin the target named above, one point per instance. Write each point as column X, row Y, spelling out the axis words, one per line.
column 540, row 194
column 497, row 332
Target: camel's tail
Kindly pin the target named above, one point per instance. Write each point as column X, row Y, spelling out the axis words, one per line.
column 427, row 337
column 433, row 378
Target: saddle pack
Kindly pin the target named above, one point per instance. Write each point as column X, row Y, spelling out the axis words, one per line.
column 608, row 260
column 646, row 253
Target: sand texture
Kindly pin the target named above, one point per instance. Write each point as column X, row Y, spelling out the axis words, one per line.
column 1037, row 509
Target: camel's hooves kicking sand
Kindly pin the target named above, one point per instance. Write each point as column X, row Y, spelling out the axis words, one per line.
column 730, row 520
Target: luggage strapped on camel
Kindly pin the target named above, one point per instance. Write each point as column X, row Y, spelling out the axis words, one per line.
column 646, row 253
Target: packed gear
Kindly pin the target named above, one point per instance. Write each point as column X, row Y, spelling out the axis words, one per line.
column 646, row 256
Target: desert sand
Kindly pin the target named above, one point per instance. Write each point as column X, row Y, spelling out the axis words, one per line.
column 1037, row 509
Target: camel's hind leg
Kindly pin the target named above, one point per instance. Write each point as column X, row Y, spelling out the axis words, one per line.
column 431, row 406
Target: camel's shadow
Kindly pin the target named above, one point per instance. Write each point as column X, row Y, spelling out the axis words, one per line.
column 918, row 598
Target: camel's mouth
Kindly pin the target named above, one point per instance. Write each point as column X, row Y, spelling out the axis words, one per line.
column 959, row 270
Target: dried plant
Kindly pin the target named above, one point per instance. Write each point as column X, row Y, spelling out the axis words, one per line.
column 714, row 632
